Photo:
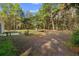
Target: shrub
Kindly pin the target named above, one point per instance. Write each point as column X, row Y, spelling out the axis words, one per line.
column 26, row 32
column 41, row 30
column 7, row 48
column 75, row 38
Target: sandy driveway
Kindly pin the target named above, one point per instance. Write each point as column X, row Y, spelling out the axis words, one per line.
column 50, row 45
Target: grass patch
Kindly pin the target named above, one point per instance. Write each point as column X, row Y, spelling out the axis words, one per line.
column 7, row 48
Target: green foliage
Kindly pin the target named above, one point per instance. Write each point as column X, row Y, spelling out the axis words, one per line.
column 75, row 38
column 50, row 16
column 26, row 32
column 7, row 48
column 12, row 14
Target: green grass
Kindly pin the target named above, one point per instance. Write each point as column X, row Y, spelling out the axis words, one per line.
column 7, row 48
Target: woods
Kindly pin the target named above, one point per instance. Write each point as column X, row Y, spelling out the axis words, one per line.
column 52, row 29
column 50, row 16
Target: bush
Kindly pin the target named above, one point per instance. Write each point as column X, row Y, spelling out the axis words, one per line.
column 75, row 38
column 41, row 30
column 26, row 32
column 7, row 48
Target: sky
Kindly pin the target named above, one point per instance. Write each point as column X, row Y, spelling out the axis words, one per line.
column 33, row 7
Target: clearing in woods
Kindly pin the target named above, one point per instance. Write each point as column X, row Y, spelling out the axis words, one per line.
column 51, row 43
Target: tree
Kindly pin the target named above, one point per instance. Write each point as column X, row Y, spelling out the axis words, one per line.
column 45, row 13
column 12, row 15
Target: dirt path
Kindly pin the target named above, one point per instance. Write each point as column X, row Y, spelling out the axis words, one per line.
column 49, row 45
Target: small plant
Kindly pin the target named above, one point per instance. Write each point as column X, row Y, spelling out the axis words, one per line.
column 26, row 32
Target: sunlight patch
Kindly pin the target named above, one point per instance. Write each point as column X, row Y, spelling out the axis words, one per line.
column 46, row 45
column 55, row 41
column 59, row 49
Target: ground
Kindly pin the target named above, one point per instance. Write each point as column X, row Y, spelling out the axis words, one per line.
column 49, row 44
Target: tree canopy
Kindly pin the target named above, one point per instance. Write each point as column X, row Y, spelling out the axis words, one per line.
column 53, row 16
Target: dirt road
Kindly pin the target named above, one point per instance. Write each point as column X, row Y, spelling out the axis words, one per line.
column 51, row 44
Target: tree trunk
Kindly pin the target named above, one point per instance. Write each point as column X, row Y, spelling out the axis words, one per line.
column 53, row 25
